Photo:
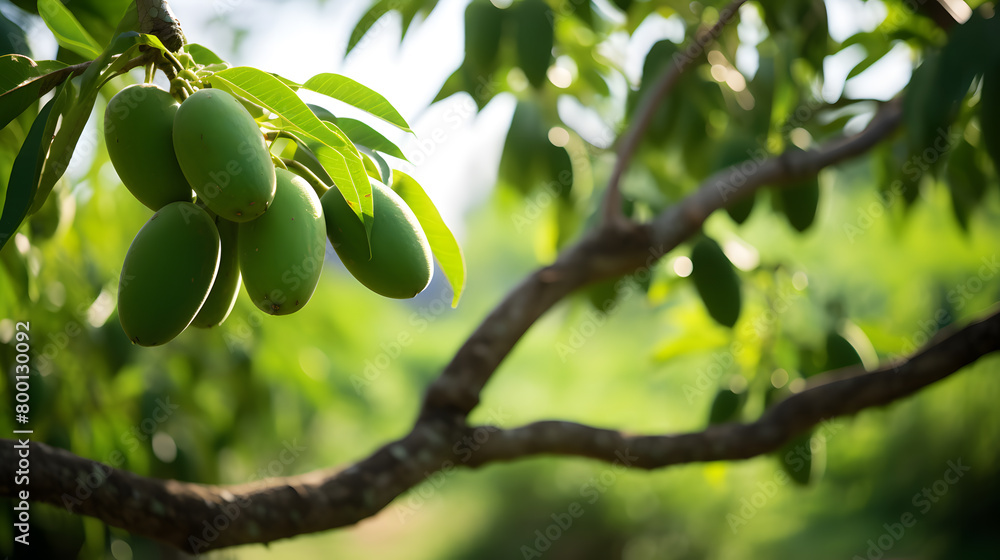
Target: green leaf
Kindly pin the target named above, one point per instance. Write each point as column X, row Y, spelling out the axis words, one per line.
column 524, row 147
column 202, row 55
column 15, row 69
column 726, row 407
column 371, row 167
column 360, row 133
column 72, row 111
column 373, row 14
column 443, row 244
column 68, row 31
column 966, row 181
column 24, row 176
column 354, row 94
column 798, row 202
column 364, row 135
column 342, row 160
column 716, row 281
column 989, row 114
column 12, row 38
column 483, row 27
column 454, row 84
column 32, row 84
column 734, row 150
column 383, row 168
column 535, row 36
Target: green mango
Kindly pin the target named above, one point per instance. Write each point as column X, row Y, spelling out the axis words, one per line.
column 138, row 124
column 222, row 298
column 223, row 155
column 736, row 150
column 483, row 26
column 282, row 252
column 716, row 281
column 168, row 273
column 840, row 353
column 726, row 407
column 798, row 203
column 796, row 458
column 400, row 265
column 535, row 36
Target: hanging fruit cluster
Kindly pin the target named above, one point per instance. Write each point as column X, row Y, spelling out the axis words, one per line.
column 246, row 221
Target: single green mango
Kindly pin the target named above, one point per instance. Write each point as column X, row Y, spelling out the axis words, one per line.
column 799, row 203
column 138, row 124
column 840, row 353
column 168, row 273
column 726, row 406
column 796, row 458
column 716, row 281
column 282, row 252
column 222, row 298
column 400, row 265
column 222, row 153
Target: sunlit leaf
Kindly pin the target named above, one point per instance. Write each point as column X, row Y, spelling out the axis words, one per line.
column 23, row 182
column 378, row 9
column 202, row 55
column 443, row 244
column 30, row 84
column 68, row 31
column 354, row 94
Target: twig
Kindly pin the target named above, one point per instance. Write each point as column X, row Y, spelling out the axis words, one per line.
column 612, row 208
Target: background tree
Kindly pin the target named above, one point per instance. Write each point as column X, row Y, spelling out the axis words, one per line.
column 856, row 266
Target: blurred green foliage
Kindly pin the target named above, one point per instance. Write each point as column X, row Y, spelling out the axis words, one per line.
column 900, row 246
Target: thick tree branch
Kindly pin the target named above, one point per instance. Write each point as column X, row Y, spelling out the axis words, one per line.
column 197, row 517
column 630, row 140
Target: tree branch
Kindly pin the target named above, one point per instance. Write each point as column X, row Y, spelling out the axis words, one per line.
column 630, row 140
column 834, row 394
column 197, row 517
column 612, row 251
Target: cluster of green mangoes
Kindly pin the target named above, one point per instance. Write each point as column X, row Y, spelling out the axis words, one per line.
column 247, row 221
